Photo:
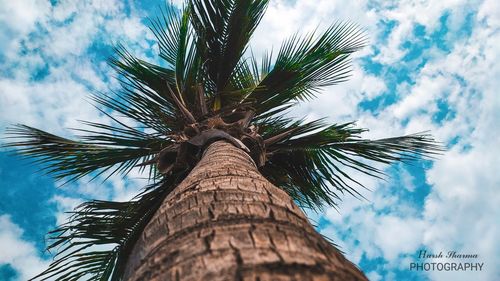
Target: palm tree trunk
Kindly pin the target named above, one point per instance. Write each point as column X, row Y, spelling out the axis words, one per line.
column 225, row 221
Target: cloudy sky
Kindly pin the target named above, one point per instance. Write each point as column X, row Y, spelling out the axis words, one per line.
column 430, row 65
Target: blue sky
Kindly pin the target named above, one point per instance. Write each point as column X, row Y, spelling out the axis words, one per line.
column 429, row 66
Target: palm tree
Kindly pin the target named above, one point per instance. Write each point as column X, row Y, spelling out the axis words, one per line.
column 228, row 168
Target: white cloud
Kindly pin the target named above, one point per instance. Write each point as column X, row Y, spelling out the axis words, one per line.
column 373, row 276
column 21, row 255
column 396, row 235
column 423, row 96
column 407, row 14
column 488, row 12
column 22, row 15
column 52, row 105
column 64, row 205
column 17, row 19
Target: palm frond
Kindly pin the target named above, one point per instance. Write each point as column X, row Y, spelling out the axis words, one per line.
column 154, row 114
column 169, row 28
column 137, row 70
column 97, row 239
column 304, row 65
column 147, row 94
column 116, row 151
column 175, row 36
column 223, row 29
column 245, row 79
column 312, row 158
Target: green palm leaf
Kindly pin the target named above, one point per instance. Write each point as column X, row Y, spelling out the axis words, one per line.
column 310, row 160
column 176, row 40
column 223, row 29
column 112, row 225
column 115, row 151
column 305, row 65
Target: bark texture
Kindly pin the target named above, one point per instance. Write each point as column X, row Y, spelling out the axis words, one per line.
column 225, row 221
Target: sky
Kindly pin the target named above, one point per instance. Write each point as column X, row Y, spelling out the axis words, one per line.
column 429, row 66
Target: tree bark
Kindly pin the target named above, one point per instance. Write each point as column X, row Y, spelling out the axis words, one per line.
column 225, row 221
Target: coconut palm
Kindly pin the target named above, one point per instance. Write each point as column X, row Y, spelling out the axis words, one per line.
column 228, row 166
